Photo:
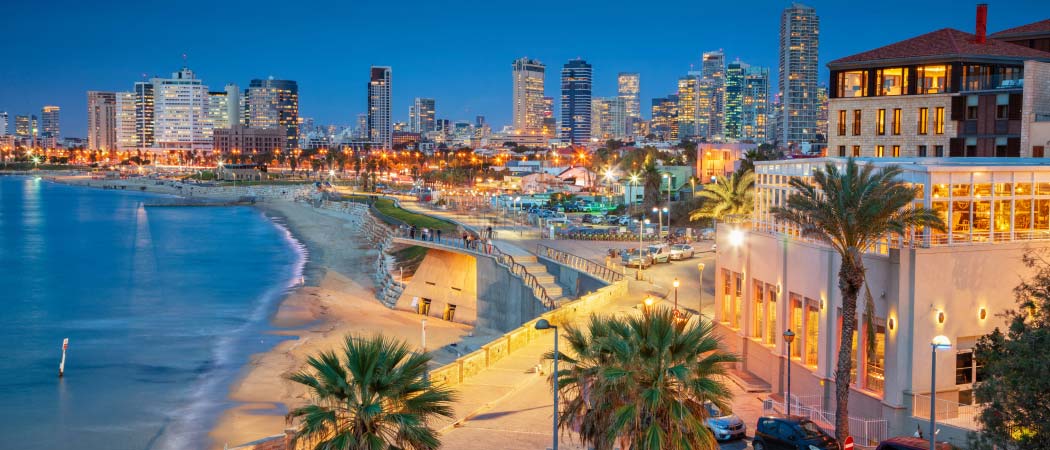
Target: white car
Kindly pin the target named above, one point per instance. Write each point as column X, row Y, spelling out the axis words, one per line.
column 681, row 251
column 660, row 253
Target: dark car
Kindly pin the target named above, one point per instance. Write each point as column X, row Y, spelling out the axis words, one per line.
column 791, row 433
column 910, row 443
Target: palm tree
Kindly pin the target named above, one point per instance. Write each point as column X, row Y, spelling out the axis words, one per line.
column 373, row 398
column 651, row 182
column 851, row 211
column 727, row 198
column 641, row 382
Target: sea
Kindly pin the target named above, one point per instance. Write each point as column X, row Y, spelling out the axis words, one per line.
column 162, row 306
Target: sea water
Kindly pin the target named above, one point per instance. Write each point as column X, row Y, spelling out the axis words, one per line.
column 162, row 307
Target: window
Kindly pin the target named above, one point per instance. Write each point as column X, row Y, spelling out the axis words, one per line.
column 874, row 370
column 896, row 151
column 968, row 370
column 938, row 151
column 727, row 294
column 771, row 315
column 842, row 122
column 1002, row 106
column 758, row 310
column 892, row 81
column 971, row 107
column 896, row 121
column 924, row 115
column 938, row 121
column 842, row 150
column 880, row 122
column 856, row 122
column 932, row 79
column 737, row 300
column 853, row 84
column 812, row 332
column 796, row 325
column 922, row 150
column 856, row 151
column 880, row 151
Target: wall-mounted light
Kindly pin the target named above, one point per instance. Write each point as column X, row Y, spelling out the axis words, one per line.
column 982, row 313
column 940, row 316
column 892, row 322
column 778, row 288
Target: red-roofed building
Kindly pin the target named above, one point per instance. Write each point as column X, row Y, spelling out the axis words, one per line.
column 1034, row 35
column 944, row 93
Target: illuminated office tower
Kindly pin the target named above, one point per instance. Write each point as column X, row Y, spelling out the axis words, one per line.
column 180, row 113
column 528, row 95
column 145, row 112
column 234, row 104
column 799, row 38
column 102, row 120
column 550, row 123
column 576, row 78
column 126, row 137
column 687, row 113
column 756, row 116
column 628, row 88
column 379, row 122
column 714, row 70
column 51, row 127
column 3, row 123
column 421, row 115
column 665, row 118
column 734, row 106
column 219, row 110
column 272, row 103
column 22, row 126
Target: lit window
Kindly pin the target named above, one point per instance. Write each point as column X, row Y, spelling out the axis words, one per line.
column 856, row 122
column 771, row 315
column 796, row 324
column 880, row 122
column 758, row 311
column 938, row 121
column 896, row 121
column 856, row 150
column 842, row 122
column 812, row 332
column 874, row 373
column 853, row 84
column 932, row 79
column 896, row 151
column 892, row 81
column 924, row 117
column 880, row 151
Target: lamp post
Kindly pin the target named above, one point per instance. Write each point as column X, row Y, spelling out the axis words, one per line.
column 641, row 229
column 675, row 284
column 647, row 305
column 543, row 324
column 700, row 303
column 788, row 337
column 939, row 343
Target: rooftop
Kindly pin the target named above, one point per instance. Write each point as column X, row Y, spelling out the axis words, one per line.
column 943, row 44
column 1035, row 28
column 929, row 164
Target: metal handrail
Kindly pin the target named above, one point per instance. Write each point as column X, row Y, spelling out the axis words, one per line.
column 580, row 263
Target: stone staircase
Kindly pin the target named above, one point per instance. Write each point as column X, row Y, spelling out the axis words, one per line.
column 545, row 278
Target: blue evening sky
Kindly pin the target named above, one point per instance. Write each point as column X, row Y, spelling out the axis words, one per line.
column 458, row 52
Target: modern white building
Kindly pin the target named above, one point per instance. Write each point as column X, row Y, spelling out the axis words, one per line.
column 421, row 116
column 126, row 136
column 180, row 108
column 528, row 96
column 102, row 120
column 379, row 121
column 219, row 110
column 928, row 283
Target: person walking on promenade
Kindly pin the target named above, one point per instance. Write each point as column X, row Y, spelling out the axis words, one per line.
column 412, row 232
column 489, row 231
column 438, row 232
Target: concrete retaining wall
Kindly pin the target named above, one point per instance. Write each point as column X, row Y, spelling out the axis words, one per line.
column 463, row 368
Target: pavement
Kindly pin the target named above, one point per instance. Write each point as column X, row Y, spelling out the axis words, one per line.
column 509, row 406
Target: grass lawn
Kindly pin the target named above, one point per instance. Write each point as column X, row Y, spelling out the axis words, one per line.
column 387, row 207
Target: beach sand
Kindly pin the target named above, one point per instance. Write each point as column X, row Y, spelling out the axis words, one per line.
column 338, row 300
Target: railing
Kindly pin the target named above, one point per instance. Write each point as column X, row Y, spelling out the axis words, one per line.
column 867, row 433
column 580, row 263
column 948, row 412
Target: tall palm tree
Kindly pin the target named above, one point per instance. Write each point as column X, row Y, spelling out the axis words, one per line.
column 727, row 197
column 651, row 184
column 641, row 382
column 851, row 210
column 373, row 397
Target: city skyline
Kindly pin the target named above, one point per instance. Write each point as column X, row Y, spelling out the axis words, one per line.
column 478, row 85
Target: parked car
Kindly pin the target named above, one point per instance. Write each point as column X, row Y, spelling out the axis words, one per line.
column 910, row 443
column 625, row 220
column 723, row 424
column 660, row 253
column 681, row 251
column 634, row 258
column 612, row 218
column 559, row 219
column 791, row 433
column 591, row 218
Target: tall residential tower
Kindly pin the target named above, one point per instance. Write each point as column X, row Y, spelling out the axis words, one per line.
column 528, row 95
column 379, row 123
column 799, row 38
column 102, row 120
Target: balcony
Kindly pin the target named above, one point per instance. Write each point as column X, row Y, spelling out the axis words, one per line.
column 991, row 83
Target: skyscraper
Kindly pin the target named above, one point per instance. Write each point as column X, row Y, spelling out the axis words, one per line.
column 687, row 114
column 714, row 64
column 145, row 113
column 219, row 110
column 272, row 103
column 421, row 115
column 22, row 126
column 180, row 112
column 665, row 118
column 576, row 78
column 734, row 99
column 550, row 123
column 628, row 88
column 528, row 95
column 799, row 33
column 379, row 124
column 756, row 114
column 3, row 123
column 234, row 104
column 51, row 127
column 102, row 120
column 126, row 136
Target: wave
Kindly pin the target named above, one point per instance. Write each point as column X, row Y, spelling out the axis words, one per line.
column 187, row 427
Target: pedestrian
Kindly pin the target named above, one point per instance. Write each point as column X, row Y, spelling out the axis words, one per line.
column 489, row 231
column 426, row 234
column 412, row 232
column 438, row 231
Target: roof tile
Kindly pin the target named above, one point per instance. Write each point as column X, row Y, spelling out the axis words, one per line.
column 943, row 43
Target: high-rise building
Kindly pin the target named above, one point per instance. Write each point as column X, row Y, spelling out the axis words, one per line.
column 755, row 116
column 822, row 113
column 687, row 113
column 51, row 126
column 608, row 118
column 234, row 104
column 379, row 122
column 600, row 119
column 102, row 120
column 528, row 95
column 272, row 103
column 799, row 38
column 705, row 110
column 22, row 126
column 734, row 105
column 219, row 110
column 3, row 123
column 576, row 78
column 550, row 123
column 665, row 118
column 714, row 67
column 126, row 136
column 180, row 112
column 421, row 115
column 628, row 87
column 145, row 113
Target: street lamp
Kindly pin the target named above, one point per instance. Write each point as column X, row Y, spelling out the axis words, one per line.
column 789, row 336
column 676, row 284
column 647, row 305
column 543, row 324
column 939, row 343
column 700, row 303
column 641, row 231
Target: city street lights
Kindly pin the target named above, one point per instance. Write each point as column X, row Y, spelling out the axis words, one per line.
column 647, row 305
column 641, row 262
column 788, row 337
column 675, row 284
column 700, row 304
column 660, row 220
column 939, row 343
column 543, row 324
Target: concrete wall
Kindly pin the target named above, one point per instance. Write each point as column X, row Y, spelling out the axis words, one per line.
column 574, row 282
column 504, row 302
column 445, row 278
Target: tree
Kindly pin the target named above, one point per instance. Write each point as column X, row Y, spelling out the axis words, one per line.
column 651, row 184
column 764, row 152
column 374, row 397
column 641, row 382
column 1014, row 385
column 727, row 198
column 851, row 211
